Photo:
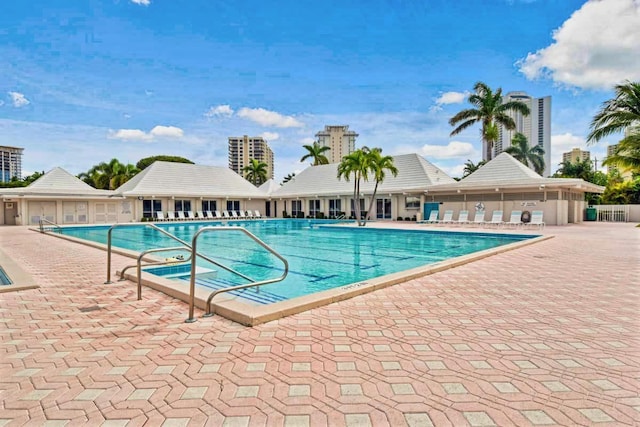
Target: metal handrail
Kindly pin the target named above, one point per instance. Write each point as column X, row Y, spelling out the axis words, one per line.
column 162, row 262
column 42, row 221
column 148, row 251
column 192, row 285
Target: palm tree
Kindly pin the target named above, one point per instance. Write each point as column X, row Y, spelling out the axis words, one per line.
column 490, row 110
column 618, row 114
column 255, row 172
column 288, row 178
column 316, row 153
column 470, row 167
column 626, row 155
column 102, row 175
column 121, row 174
column 355, row 164
column 378, row 164
column 525, row 154
column 582, row 169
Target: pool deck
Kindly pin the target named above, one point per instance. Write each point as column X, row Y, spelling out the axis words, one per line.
column 548, row 334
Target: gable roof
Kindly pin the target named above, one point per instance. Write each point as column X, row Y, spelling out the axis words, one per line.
column 269, row 186
column 59, row 182
column 414, row 174
column 188, row 180
column 502, row 167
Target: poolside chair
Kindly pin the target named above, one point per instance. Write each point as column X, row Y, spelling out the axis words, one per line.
column 209, row 215
column 181, row 216
column 249, row 214
column 478, row 219
column 241, row 214
column 447, row 218
column 536, row 220
column 463, row 218
column 225, row 214
column 218, row 215
column 160, row 216
column 171, row 216
column 496, row 219
column 257, row 215
column 433, row 218
column 234, row 215
column 190, row 215
column 515, row 219
column 200, row 214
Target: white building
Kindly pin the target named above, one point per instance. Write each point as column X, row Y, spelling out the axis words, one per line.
column 244, row 148
column 340, row 139
column 10, row 163
column 536, row 126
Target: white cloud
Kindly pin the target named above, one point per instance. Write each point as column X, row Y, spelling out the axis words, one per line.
column 142, row 2
column 452, row 98
column 219, row 111
column 596, row 48
column 269, row 118
column 270, row 136
column 18, row 99
column 1, row 103
column 565, row 142
column 140, row 135
column 167, row 132
column 453, row 150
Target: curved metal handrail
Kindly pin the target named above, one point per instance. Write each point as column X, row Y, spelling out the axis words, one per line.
column 149, row 251
column 42, row 221
column 192, row 285
column 162, row 262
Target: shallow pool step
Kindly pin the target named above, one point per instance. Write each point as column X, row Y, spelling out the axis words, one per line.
column 251, row 294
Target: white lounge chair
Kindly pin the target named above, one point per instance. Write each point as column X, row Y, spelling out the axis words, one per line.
column 250, row 215
column 496, row 219
column 171, row 216
column 200, row 214
column 478, row 219
column 433, row 218
column 181, row 216
column 241, row 214
column 536, row 219
column 160, row 216
column 209, row 215
column 234, row 215
column 190, row 215
column 515, row 219
column 257, row 215
column 447, row 218
column 218, row 215
column 463, row 218
column 225, row 214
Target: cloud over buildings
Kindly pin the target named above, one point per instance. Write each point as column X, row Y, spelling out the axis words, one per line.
column 140, row 135
column 219, row 111
column 596, row 48
column 269, row 118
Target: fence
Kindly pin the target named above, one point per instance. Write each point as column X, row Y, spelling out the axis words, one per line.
column 612, row 213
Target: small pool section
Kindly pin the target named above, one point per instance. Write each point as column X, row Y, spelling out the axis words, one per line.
column 4, row 279
column 320, row 256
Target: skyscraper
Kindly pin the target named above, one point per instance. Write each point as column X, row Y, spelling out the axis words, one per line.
column 536, row 126
column 576, row 155
column 10, row 163
column 244, row 148
column 340, row 139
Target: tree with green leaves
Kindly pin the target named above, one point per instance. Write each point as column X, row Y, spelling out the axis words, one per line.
column 148, row 161
column 525, row 154
column 378, row 165
column 256, row 172
column 470, row 167
column 582, row 169
column 626, row 155
column 355, row 165
column 490, row 110
column 316, row 152
column 109, row 176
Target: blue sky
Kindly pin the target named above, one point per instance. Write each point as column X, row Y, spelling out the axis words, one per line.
column 85, row 81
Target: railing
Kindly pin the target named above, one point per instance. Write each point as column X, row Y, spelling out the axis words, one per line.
column 192, row 287
column 613, row 213
column 44, row 221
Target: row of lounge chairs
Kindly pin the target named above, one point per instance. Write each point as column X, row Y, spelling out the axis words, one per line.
column 536, row 219
column 207, row 215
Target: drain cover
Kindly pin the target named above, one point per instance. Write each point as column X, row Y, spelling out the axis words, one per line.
column 88, row 309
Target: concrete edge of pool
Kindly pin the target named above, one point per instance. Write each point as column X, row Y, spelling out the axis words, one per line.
column 237, row 310
column 20, row 279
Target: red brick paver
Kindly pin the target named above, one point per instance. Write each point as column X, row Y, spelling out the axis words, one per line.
column 545, row 335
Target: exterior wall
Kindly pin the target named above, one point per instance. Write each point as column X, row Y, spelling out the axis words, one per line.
column 340, row 139
column 73, row 211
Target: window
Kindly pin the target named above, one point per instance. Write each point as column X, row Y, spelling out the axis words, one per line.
column 149, row 207
column 362, row 211
column 314, row 207
column 296, row 208
column 335, row 206
column 182, row 205
column 412, row 202
column 233, row 205
column 209, row 205
column 383, row 208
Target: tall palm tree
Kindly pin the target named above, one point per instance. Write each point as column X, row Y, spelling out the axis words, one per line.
column 356, row 165
column 618, row 114
column 316, row 153
column 256, row 172
column 525, row 154
column 378, row 164
column 490, row 110
column 470, row 167
column 102, row 175
column 121, row 174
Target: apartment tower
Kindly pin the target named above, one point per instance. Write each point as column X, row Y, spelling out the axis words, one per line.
column 576, row 155
column 340, row 139
column 10, row 163
column 536, row 126
column 244, row 148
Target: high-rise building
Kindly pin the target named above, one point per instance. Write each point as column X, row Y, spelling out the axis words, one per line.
column 340, row 139
column 611, row 150
column 244, row 148
column 576, row 155
column 10, row 163
column 536, row 126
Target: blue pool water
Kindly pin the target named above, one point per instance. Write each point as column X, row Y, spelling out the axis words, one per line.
column 4, row 279
column 320, row 257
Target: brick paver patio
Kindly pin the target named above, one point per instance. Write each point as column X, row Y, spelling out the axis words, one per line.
column 545, row 335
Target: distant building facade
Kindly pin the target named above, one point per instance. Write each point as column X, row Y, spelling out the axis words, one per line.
column 339, row 139
column 536, row 126
column 611, row 150
column 10, row 163
column 244, row 148
column 576, row 155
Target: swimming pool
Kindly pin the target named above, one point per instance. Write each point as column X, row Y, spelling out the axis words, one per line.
column 320, row 256
column 4, row 279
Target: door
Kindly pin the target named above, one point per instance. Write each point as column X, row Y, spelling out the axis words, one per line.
column 74, row 212
column 267, row 209
column 44, row 210
column 383, row 208
column 106, row 213
column 10, row 212
column 428, row 207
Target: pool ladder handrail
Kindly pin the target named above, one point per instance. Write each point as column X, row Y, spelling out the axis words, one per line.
column 192, row 284
column 42, row 221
